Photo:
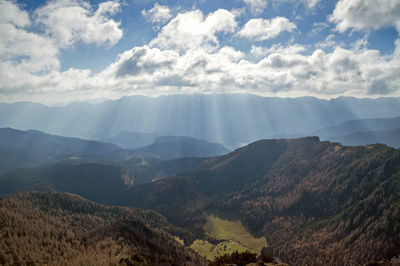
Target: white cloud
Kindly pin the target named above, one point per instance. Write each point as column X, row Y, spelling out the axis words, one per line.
column 186, row 57
column 20, row 49
column 281, row 71
column 11, row 13
column 30, row 51
column 366, row 14
column 71, row 21
column 260, row 51
column 144, row 61
column 158, row 15
column 29, row 61
column 263, row 29
column 191, row 30
column 256, row 6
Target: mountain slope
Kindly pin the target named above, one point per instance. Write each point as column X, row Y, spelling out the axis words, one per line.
column 31, row 148
column 173, row 147
column 65, row 229
column 52, row 144
column 101, row 183
column 388, row 137
column 312, row 200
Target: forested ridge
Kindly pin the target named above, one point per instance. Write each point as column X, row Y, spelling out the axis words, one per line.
column 65, row 229
column 318, row 203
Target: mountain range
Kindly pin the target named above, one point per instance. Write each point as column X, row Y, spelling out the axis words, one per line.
column 19, row 149
column 312, row 200
column 320, row 191
column 315, row 202
column 388, row 137
column 228, row 119
column 359, row 125
column 173, row 147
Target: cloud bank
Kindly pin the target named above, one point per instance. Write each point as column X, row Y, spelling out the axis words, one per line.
column 187, row 54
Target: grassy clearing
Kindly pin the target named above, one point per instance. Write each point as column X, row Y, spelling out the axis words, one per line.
column 233, row 236
column 180, row 241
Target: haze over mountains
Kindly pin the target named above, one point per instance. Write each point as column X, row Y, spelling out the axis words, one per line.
column 19, row 149
column 229, row 119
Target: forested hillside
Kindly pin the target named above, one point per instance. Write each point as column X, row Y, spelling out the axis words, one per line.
column 316, row 202
column 65, row 229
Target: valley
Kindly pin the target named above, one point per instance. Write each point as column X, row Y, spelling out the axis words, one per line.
column 308, row 199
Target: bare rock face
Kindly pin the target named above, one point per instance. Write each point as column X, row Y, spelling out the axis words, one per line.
column 265, row 255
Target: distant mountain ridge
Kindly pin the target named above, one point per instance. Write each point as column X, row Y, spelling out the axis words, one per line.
column 388, row 137
column 364, row 132
column 229, row 119
column 19, row 149
column 37, row 140
column 133, row 140
column 173, row 147
column 32, row 148
column 359, row 125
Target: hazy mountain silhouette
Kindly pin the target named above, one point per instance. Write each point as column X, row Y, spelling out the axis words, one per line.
column 388, row 137
column 229, row 119
column 357, row 126
column 133, row 140
column 172, row 147
column 31, row 148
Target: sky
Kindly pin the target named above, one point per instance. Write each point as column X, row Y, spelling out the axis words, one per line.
column 59, row 51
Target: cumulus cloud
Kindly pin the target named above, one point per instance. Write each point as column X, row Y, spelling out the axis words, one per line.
column 190, row 30
column 71, row 21
column 186, row 57
column 260, row 51
column 158, row 15
column 259, row 29
column 29, row 60
column 144, row 60
column 366, row 14
column 20, row 49
column 280, row 71
column 11, row 13
column 256, row 6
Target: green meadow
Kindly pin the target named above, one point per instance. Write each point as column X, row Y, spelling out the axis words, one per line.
column 230, row 236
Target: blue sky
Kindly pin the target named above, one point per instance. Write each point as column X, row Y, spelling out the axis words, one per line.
column 65, row 50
